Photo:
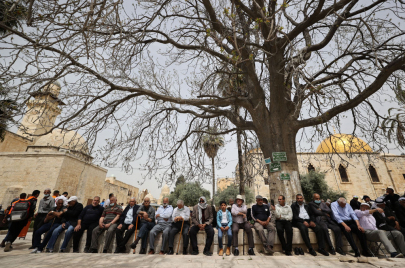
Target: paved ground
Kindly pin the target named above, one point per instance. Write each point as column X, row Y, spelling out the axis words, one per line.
column 20, row 257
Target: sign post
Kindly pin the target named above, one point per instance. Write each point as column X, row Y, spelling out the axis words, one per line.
column 275, row 166
column 267, row 161
column 284, row 176
column 279, row 156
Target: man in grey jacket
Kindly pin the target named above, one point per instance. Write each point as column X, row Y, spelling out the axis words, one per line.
column 147, row 215
column 201, row 219
column 46, row 204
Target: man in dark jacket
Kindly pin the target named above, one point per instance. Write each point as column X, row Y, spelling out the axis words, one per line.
column 322, row 214
column 354, row 203
column 70, row 217
column 386, row 221
column 391, row 198
column 303, row 219
column 88, row 220
column 202, row 220
column 17, row 226
column 400, row 211
column 127, row 223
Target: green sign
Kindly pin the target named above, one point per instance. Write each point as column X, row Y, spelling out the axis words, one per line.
column 267, row 161
column 274, row 167
column 279, row 156
column 284, row 176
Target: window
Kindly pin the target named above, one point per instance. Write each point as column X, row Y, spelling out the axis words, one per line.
column 311, row 168
column 404, row 176
column 266, row 181
column 343, row 173
column 373, row 174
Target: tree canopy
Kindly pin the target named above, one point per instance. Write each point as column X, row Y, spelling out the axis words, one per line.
column 189, row 192
column 314, row 182
column 231, row 192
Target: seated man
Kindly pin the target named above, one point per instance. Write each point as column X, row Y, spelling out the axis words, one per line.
column 127, row 223
column 164, row 221
column 386, row 221
column 348, row 222
column 88, row 220
column 354, row 203
column 239, row 221
column 367, row 221
column 70, row 216
column 180, row 214
column 147, row 216
column 391, row 198
column 261, row 215
column 64, row 198
column 400, row 211
column 283, row 214
column 303, row 219
column 52, row 220
column 322, row 215
column 108, row 222
column 201, row 219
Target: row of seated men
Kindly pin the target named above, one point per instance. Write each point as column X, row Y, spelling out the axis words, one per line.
column 367, row 223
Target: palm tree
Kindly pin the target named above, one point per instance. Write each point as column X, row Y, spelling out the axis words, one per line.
column 211, row 143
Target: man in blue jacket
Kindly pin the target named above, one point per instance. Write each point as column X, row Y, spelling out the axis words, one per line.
column 127, row 223
column 88, row 220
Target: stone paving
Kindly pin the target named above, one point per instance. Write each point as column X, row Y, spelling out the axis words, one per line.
column 20, row 257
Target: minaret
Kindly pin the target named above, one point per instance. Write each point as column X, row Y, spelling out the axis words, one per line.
column 41, row 112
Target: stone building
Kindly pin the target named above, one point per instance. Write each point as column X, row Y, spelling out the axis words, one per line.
column 349, row 164
column 165, row 192
column 59, row 160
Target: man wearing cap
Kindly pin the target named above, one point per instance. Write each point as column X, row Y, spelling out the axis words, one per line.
column 391, row 198
column 201, row 220
column 63, row 197
column 386, row 221
column 261, row 215
column 368, row 222
column 354, row 203
column 349, row 224
column 400, row 211
column 303, row 219
column 322, row 214
column 239, row 221
column 69, row 217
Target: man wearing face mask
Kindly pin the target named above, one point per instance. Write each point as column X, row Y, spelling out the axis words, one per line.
column 164, row 220
column 180, row 214
column 322, row 214
column 45, row 206
column 201, row 219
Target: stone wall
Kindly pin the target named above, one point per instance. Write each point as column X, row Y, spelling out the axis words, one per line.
column 14, row 143
column 121, row 190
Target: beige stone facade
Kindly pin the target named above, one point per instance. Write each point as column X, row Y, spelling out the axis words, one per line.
column 223, row 183
column 165, row 192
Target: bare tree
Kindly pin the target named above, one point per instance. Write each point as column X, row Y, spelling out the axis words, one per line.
column 146, row 69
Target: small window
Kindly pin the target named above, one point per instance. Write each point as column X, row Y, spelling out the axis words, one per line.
column 403, row 176
column 343, row 173
column 266, row 181
column 311, row 168
column 373, row 174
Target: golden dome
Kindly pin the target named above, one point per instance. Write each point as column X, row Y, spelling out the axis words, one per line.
column 70, row 140
column 343, row 143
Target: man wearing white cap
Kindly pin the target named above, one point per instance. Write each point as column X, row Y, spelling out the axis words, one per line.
column 391, row 198
column 239, row 221
column 368, row 223
column 69, row 217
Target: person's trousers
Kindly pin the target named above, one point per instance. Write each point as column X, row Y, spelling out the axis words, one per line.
column 248, row 229
column 36, row 237
column 38, row 222
column 56, row 232
column 176, row 227
column 349, row 235
column 78, row 235
column 385, row 236
column 108, row 236
column 305, row 234
column 229, row 234
column 210, row 237
column 325, row 226
column 15, row 229
column 48, row 236
column 281, row 226
column 144, row 231
column 271, row 233
column 160, row 227
column 122, row 239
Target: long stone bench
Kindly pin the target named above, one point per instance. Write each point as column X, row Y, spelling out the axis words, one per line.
column 201, row 237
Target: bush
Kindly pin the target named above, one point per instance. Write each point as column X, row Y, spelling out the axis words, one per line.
column 231, row 192
column 314, row 182
column 188, row 192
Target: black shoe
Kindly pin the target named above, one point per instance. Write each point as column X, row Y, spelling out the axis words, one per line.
column 323, row 252
column 366, row 254
column 207, row 253
column 86, row 250
column 332, row 251
column 170, row 251
column 194, row 252
column 117, row 250
column 63, row 251
column 236, row 252
column 288, row 253
column 251, row 252
column 93, row 250
column 75, row 251
column 185, row 251
column 340, row 251
column 31, row 247
column 357, row 253
column 313, row 253
column 133, row 245
column 301, row 251
column 142, row 251
column 296, row 251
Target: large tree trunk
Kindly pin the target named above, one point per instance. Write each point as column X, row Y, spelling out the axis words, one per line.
column 241, row 175
column 213, row 181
